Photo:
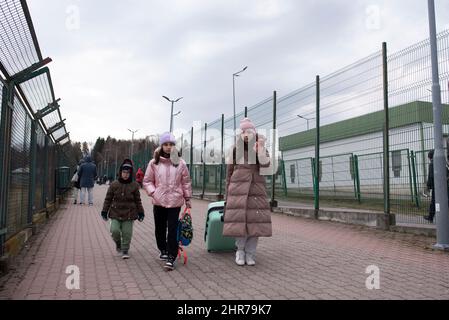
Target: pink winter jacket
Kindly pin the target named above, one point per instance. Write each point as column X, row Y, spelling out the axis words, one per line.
column 169, row 186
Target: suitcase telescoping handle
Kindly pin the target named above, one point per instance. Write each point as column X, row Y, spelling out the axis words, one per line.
column 223, row 211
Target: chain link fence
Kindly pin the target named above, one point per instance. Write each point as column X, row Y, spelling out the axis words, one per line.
column 36, row 165
column 350, row 108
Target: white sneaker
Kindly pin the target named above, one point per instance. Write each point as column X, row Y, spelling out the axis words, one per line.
column 240, row 258
column 250, row 261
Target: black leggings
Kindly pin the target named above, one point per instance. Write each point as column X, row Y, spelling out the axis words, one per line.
column 163, row 218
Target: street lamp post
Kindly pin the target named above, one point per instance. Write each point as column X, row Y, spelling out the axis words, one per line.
column 237, row 74
column 132, row 143
column 173, row 121
column 307, row 119
column 106, row 161
column 172, row 106
column 441, row 201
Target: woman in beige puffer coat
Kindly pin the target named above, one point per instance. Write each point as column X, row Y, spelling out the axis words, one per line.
column 248, row 212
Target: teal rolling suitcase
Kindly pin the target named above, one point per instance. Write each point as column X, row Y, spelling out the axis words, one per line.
column 213, row 234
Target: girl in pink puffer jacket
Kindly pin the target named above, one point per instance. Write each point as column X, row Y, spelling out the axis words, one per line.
column 167, row 182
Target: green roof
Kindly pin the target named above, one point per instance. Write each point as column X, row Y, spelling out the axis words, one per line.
column 400, row 116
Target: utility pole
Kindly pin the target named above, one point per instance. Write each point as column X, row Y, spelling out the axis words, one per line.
column 235, row 75
column 132, row 143
column 171, row 113
column 307, row 119
column 441, row 199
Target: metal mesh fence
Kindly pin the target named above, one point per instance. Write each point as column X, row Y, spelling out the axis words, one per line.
column 51, row 174
column 410, row 84
column 16, row 40
column 19, row 170
column 31, row 125
column 299, row 177
column 351, row 135
column 39, row 202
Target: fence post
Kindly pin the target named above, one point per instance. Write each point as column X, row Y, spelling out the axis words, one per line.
column 56, row 182
column 313, row 166
column 273, row 202
column 55, row 176
column 45, row 182
column 386, row 140
column 415, row 184
column 284, row 178
column 410, row 177
column 352, row 171
column 357, row 178
column 32, row 190
column 246, row 112
column 222, row 162
column 204, row 161
column 5, row 156
column 317, row 150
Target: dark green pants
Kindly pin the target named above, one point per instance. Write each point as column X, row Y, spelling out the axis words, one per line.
column 122, row 232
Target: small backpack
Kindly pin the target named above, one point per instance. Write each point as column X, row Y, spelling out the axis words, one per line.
column 185, row 233
column 185, row 228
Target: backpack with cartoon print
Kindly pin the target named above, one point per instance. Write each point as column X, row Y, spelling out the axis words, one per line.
column 185, row 233
column 185, row 228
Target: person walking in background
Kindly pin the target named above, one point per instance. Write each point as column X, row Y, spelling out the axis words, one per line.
column 123, row 205
column 139, row 177
column 168, row 182
column 87, row 176
column 431, row 186
column 247, row 213
column 76, row 182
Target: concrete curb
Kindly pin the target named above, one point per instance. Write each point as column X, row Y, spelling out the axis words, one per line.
column 371, row 219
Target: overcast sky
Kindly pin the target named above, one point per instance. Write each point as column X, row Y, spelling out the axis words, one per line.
column 113, row 60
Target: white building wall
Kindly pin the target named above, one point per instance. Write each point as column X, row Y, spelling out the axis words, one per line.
column 336, row 171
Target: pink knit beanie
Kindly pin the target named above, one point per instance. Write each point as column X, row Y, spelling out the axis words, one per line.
column 246, row 124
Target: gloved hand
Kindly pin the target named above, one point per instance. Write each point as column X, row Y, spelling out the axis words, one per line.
column 188, row 204
column 104, row 215
column 141, row 216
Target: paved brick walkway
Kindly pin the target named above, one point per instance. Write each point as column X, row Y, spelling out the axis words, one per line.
column 305, row 259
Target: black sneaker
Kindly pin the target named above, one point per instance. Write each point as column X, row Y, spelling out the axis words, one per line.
column 163, row 256
column 125, row 255
column 170, row 264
